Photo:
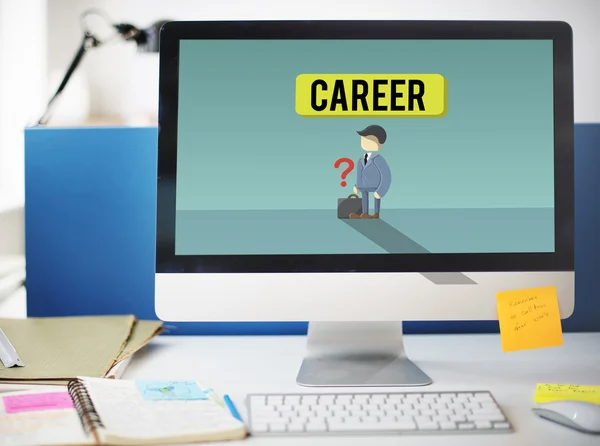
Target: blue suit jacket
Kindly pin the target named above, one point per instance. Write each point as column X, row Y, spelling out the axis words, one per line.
column 375, row 174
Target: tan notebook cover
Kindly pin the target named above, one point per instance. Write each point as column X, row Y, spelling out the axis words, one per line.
column 65, row 347
column 141, row 334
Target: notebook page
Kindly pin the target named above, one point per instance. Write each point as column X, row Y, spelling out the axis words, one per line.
column 125, row 413
column 31, row 424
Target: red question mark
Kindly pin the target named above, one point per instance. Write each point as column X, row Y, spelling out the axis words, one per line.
column 348, row 169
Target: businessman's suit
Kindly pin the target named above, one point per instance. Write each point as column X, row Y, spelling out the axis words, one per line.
column 374, row 176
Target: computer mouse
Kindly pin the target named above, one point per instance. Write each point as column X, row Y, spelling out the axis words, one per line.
column 577, row 415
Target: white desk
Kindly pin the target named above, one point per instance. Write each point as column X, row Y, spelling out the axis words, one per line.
column 242, row 365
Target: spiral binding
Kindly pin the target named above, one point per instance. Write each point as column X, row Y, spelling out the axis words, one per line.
column 84, row 406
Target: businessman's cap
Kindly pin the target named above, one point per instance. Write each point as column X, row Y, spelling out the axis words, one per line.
column 376, row 131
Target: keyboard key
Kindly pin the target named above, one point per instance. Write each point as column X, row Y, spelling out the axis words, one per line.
column 402, row 426
column 440, row 418
column 370, row 407
column 370, row 419
column 427, row 425
column 334, row 420
column 483, row 424
column 315, row 427
column 439, row 406
column 501, row 426
column 277, row 427
column 457, row 418
column 447, row 425
column 488, row 405
column 341, row 413
column 472, row 406
column 404, row 406
column 387, row 419
column 268, row 420
column 422, row 418
column 466, row 426
column 485, row 417
column 336, row 407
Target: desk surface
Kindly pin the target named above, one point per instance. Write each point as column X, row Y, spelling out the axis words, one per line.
column 242, row 365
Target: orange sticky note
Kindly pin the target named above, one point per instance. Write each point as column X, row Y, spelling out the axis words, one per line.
column 529, row 319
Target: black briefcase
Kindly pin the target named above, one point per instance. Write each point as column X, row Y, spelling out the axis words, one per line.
column 350, row 205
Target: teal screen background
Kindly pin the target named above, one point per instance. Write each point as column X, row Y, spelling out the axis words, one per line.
column 254, row 177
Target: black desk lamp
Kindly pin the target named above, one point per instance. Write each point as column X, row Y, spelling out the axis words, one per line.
column 147, row 41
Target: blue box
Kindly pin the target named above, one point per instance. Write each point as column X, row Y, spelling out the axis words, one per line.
column 90, row 231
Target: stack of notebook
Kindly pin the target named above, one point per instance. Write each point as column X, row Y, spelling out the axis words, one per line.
column 57, row 350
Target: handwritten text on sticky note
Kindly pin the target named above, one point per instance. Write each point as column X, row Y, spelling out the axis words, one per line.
column 544, row 393
column 529, row 318
column 37, row 401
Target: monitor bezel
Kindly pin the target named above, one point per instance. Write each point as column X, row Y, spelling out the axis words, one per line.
column 560, row 260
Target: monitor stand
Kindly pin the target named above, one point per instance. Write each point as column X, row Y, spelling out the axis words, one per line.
column 358, row 354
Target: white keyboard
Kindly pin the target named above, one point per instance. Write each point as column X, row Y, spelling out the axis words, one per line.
column 375, row 413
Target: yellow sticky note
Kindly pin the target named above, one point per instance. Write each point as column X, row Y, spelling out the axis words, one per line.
column 529, row 318
column 544, row 393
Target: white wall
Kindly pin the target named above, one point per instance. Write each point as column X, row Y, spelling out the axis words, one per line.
column 12, row 234
column 23, row 75
column 106, row 69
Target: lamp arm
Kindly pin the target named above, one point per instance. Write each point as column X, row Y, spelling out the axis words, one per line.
column 88, row 41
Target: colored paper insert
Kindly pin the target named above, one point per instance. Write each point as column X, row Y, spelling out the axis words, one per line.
column 170, row 390
column 37, row 401
column 529, row 318
column 545, row 393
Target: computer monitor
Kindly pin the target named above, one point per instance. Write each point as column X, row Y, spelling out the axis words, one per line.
column 357, row 174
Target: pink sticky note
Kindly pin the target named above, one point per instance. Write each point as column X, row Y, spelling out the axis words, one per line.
column 37, row 401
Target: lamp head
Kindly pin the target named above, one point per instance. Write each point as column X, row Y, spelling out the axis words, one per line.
column 147, row 40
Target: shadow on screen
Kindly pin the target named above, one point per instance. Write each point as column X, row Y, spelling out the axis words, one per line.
column 386, row 236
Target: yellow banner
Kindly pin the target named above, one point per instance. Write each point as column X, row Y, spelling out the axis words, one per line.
column 369, row 95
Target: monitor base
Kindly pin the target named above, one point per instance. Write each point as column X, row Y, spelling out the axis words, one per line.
column 358, row 354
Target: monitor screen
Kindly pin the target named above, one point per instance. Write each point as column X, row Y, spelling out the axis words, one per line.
column 290, row 147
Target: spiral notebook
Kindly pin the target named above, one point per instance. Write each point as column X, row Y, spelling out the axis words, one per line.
column 99, row 411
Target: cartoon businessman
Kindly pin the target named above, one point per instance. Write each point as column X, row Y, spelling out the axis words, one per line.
column 373, row 174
